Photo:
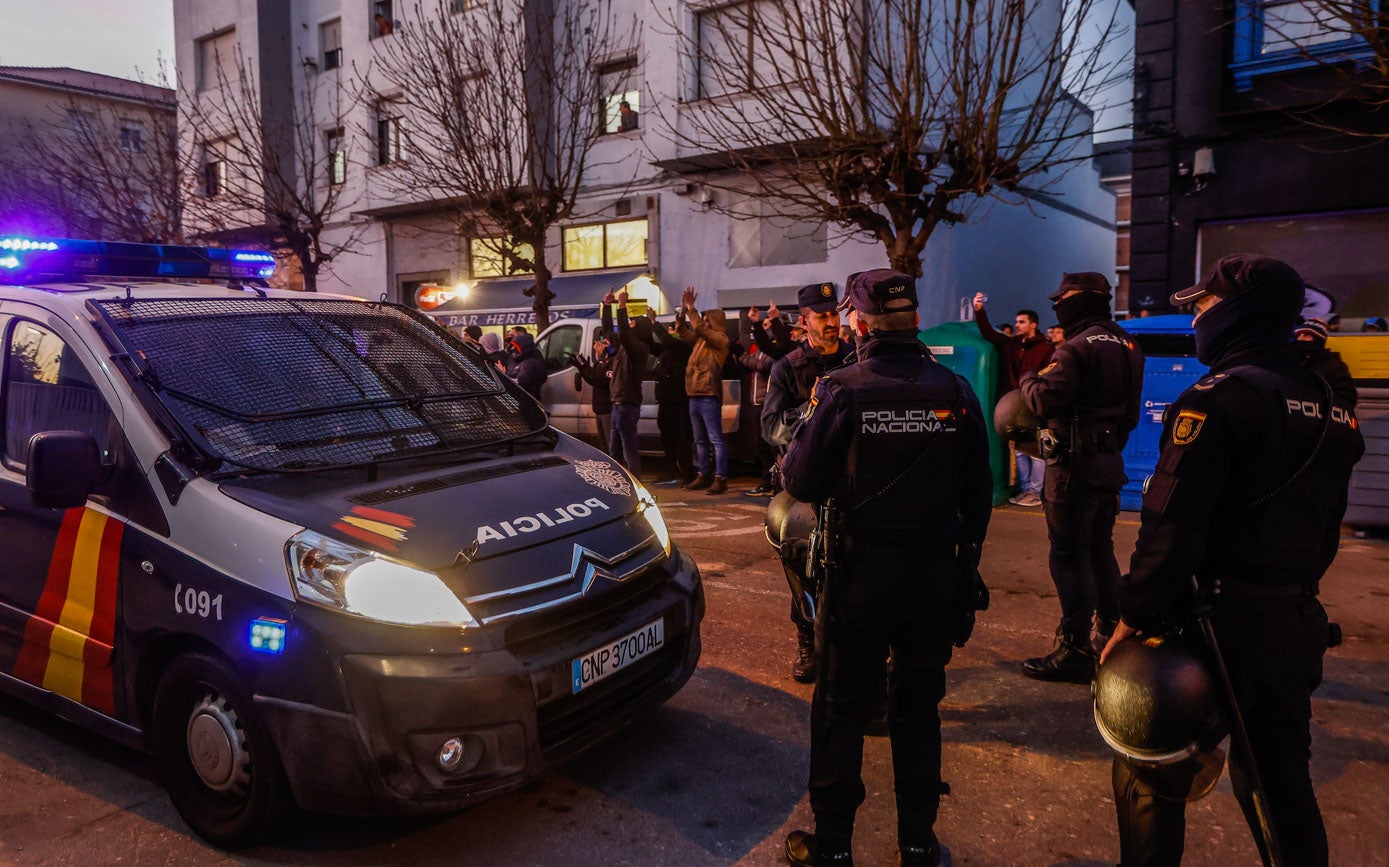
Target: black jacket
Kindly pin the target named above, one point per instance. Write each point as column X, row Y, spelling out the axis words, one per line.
column 629, row 362
column 1227, row 500
column 597, row 373
column 789, row 386
column 530, row 367
column 672, row 356
column 1327, row 364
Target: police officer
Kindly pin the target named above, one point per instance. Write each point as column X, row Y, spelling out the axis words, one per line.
column 788, row 391
column 1248, row 496
column 1088, row 401
column 898, row 442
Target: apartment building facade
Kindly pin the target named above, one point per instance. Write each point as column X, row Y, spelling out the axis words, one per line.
column 650, row 220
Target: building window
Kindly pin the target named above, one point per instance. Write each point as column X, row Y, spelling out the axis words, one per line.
column 740, row 46
column 216, row 60
column 620, row 106
column 80, row 126
column 1280, row 35
column 383, row 21
column 335, row 146
column 605, row 245
column 214, row 178
column 489, row 261
column 387, row 140
column 765, row 235
column 330, row 38
column 132, row 136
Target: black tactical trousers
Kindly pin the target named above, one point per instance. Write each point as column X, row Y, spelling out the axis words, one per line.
column 1080, row 525
column 677, row 436
column 855, row 647
column 1273, row 649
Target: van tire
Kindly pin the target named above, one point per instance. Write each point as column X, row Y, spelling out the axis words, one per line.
column 215, row 755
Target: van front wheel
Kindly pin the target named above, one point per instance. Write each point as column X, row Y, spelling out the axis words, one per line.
column 217, row 759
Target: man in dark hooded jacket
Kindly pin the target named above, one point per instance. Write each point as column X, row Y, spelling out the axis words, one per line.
column 530, row 367
column 1310, row 339
column 1088, row 400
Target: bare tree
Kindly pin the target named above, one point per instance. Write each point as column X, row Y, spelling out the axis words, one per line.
column 1350, row 37
column 889, row 118
column 108, row 167
column 272, row 167
column 502, row 105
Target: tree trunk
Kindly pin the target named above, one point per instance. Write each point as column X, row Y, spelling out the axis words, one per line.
column 541, row 292
column 308, row 269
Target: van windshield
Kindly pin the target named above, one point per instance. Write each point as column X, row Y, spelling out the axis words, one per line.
column 290, row 385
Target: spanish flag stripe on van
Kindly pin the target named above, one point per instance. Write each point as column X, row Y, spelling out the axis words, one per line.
column 68, row 642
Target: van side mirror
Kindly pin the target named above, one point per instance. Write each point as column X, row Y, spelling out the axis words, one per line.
column 64, row 466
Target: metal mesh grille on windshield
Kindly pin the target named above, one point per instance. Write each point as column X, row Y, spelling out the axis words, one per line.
column 280, row 384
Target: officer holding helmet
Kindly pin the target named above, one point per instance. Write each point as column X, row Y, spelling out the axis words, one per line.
column 898, row 443
column 1247, row 496
column 1088, row 400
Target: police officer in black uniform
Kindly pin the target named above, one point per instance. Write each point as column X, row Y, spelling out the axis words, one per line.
column 1088, row 401
column 898, row 442
column 788, row 391
column 1248, row 496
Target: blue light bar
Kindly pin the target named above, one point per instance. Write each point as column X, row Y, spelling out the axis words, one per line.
column 61, row 258
column 268, row 635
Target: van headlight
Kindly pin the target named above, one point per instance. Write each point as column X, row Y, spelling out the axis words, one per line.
column 646, row 505
column 337, row 575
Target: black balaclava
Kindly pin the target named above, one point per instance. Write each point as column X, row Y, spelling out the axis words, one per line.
column 1081, row 307
column 1246, row 320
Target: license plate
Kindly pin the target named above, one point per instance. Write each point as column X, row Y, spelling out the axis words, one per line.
column 615, row 656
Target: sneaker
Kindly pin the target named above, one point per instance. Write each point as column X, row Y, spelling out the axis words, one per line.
column 1028, row 499
column 698, row 483
column 1016, row 499
column 665, row 483
column 760, row 491
column 719, row 485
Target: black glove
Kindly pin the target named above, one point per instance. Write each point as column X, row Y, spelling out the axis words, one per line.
column 578, row 361
column 971, row 594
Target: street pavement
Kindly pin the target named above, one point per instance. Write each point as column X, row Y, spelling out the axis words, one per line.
column 717, row 775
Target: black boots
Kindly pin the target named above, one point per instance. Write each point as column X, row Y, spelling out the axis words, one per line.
column 1070, row 662
column 803, row 669
column 803, row 850
column 920, row 856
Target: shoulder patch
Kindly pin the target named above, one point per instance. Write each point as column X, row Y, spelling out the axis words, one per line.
column 1210, row 382
column 1048, row 369
column 1187, row 427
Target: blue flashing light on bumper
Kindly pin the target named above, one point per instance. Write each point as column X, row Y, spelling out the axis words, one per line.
column 268, row 635
column 60, row 258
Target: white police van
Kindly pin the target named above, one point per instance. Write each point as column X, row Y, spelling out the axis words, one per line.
column 308, row 549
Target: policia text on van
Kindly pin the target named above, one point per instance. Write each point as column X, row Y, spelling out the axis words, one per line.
column 308, row 549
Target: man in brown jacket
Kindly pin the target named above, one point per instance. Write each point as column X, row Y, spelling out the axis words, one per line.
column 704, row 385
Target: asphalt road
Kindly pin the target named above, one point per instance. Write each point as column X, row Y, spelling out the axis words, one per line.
column 717, row 775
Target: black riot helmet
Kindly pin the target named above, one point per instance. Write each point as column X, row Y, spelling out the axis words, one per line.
column 1014, row 419
column 788, row 520
column 1156, row 703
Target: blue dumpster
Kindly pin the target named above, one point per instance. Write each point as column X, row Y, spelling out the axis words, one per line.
column 1170, row 367
column 958, row 346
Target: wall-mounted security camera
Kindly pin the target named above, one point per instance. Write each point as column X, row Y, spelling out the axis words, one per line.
column 1203, row 163
column 686, row 189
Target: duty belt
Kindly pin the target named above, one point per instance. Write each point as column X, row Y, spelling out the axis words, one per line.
column 1234, row 588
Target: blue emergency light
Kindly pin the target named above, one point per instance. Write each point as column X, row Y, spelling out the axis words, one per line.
column 64, row 258
column 268, row 635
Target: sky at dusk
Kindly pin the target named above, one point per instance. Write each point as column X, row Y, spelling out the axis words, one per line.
column 114, row 37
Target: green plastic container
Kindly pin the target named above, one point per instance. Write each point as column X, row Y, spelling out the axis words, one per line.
column 958, row 346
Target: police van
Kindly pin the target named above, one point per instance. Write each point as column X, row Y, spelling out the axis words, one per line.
column 308, row 550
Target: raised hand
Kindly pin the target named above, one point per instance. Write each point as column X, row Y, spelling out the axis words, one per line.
column 688, row 298
column 622, row 298
column 753, row 315
column 772, row 311
column 610, row 297
column 978, row 301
